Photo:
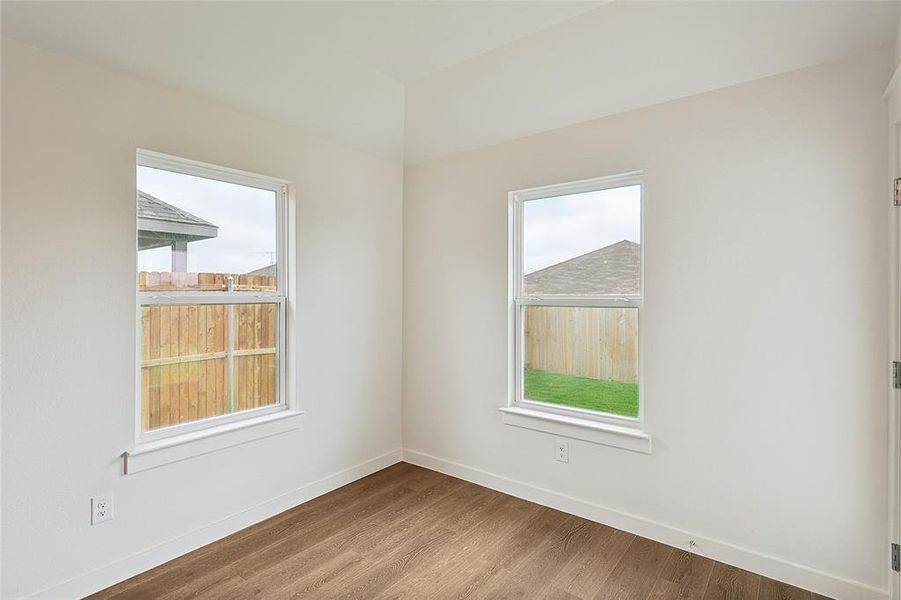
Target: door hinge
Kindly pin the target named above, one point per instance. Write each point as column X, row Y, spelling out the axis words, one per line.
column 896, row 375
column 896, row 557
column 898, row 192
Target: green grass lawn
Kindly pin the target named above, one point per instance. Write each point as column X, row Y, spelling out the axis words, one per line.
column 582, row 392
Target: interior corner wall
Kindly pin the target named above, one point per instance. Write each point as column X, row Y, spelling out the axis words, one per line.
column 69, row 134
column 764, row 324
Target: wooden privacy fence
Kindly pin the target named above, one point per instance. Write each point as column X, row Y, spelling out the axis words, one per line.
column 151, row 281
column 601, row 343
column 200, row 361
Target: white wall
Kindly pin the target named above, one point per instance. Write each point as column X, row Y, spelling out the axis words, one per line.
column 68, row 238
column 765, row 329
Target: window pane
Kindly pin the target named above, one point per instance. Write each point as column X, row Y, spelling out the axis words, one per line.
column 582, row 357
column 200, row 361
column 198, row 234
column 583, row 244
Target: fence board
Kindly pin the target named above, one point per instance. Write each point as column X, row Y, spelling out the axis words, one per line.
column 145, row 374
column 162, row 417
column 200, row 367
column 600, row 343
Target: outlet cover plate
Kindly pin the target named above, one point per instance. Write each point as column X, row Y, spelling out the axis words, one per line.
column 101, row 508
column 561, row 451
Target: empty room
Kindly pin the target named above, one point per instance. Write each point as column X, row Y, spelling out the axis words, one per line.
column 450, row 300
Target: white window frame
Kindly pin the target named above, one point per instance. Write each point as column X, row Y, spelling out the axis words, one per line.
column 162, row 438
column 574, row 422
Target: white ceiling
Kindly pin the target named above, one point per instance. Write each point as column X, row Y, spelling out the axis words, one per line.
column 409, row 40
column 626, row 55
column 424, row 79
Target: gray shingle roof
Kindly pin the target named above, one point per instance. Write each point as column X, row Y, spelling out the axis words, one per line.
column 160, row 224
column 614, row 269
column 151, row 207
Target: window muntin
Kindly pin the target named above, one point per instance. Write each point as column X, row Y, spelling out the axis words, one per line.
column 211, row 299
column 577, row 294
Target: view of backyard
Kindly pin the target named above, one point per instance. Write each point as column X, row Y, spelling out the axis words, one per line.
column 582, row 246
column 199, row 236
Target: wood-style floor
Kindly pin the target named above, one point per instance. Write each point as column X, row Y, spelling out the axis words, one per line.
column 407, row 532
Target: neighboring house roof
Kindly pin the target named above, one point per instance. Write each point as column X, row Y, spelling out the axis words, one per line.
column 161, row 224
column 267, row 271
column 614, row 269
column 151, row 207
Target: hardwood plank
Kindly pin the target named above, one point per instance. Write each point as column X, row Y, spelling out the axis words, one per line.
column 635, row 573
column 528, row 536
column 302, row 556
column 586, row 573
column 202, row 584
column 304, row 580
column 731, row 583
column 526, row 541
column 443, row 512
column 388, row 568
column 300, row 538
column 776, row 590
column 554, row 593
column 684, row 577
column 472, row 559
column 534, row 575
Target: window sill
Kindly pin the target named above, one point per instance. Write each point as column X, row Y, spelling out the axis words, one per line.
column 154, row 454
column 608, row 434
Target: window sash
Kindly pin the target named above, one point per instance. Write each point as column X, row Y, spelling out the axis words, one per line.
column 163, row 433
column 518, row 199
column 146, row 158
column 519, row 399
column 519, row 300
column 143, row 437
column 175, row 164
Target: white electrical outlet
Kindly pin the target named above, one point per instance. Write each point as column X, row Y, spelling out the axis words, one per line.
column 561, row 451
column 101, row 508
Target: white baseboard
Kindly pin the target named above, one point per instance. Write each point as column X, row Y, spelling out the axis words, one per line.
column 750, row 560
column 130, row 566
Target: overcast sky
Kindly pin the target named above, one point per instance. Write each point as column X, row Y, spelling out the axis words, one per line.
column 245, row 216
column 560, row 228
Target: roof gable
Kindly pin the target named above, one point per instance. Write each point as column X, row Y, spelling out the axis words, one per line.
column 613, row 269
column 151, row 207
column 160, row 224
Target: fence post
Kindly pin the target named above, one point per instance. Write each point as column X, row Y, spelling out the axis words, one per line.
column 230, row 350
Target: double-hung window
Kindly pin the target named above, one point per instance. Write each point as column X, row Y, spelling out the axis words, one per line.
column 576, row 298
column 211, row 296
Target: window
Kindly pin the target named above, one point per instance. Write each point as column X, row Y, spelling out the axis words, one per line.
column 211, row 296
column 576, row 299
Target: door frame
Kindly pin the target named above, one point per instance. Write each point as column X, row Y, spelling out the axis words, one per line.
column 893, row 97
